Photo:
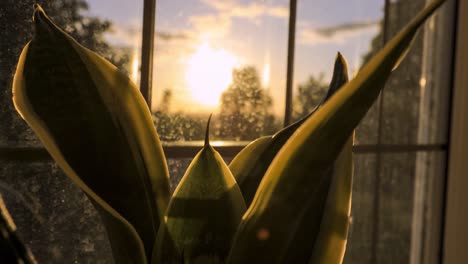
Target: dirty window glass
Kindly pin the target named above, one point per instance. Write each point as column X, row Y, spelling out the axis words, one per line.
column 222, row 57
column 114, row 34
column 53, row 217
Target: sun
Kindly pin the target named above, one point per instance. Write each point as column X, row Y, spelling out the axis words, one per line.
column 209, row 73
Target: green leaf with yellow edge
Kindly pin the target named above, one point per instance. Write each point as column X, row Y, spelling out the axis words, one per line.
column 203, row 213
column 335, row 192
column 330, row 245
column 291, row 197
column 250, row 164
column 96, row 125
column 248, row 158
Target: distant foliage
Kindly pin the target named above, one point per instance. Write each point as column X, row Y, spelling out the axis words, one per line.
column 308, row 95
column 179, row 126
column 87, row 30
column 245, row 108
column 15, row 18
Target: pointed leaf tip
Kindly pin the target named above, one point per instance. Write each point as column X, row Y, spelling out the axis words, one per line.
column 39, row 13
column 42, row 23
column 340, row 59
column 207, row 132
column 340, row 75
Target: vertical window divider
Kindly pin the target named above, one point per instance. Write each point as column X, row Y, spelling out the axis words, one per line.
column 290, row 63
column 378, row 158
column 146, row 79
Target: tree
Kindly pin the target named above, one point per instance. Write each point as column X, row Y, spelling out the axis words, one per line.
column 87, row 30
column 309, row 95
column 177, row 126
column 245, row 108
column 17, row 29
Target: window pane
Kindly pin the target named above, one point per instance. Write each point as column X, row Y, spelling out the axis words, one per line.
column 323, row 28
column 394, row 195
column 367, row 131
column 416, row 97
column 222, row 57
column 53, row 217
column 114, row 33
column 396, row 213
column 362, row 210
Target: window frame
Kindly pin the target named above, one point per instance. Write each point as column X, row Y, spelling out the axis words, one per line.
column 455, row 236
column 447, row 247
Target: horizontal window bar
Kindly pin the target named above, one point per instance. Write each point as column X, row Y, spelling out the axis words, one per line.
column 389, row 148
column 226, row 149
column 24, row 154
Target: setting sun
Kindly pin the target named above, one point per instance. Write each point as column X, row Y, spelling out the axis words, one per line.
column 209, row 73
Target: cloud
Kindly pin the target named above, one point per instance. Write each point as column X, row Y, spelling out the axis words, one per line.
column 255, row 10
column 220, row 4
column 252, row 10
column 279, row 11
column 337, row 29
column 124, row 34
column 170, row 36
column 335, row 34
column 211, row 25
column 129, row 35
column 218, row 22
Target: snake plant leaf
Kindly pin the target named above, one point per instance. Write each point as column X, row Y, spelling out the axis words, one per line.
column 338, row 173
column 95, row 124
column 291, row 189
column 203, row 213
column 250, row 164
column 330, row 245
column 12, row 248
column 245, row 161
column 335, row 193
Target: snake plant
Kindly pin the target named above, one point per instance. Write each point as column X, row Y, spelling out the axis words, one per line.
column 285, row 198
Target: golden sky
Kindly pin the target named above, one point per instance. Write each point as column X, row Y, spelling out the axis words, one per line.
column 199, row 42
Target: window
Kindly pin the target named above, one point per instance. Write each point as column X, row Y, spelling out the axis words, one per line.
column 275, row 57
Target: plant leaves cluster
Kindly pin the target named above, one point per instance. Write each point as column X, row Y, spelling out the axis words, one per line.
column 285, row 198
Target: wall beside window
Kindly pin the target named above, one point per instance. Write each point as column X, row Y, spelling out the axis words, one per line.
column 456, row 217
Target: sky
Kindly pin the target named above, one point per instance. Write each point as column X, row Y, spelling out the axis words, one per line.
column 199, row 42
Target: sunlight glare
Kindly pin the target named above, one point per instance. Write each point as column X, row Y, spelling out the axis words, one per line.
column 209, row 73
column 135, row 66
column 266, row 74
